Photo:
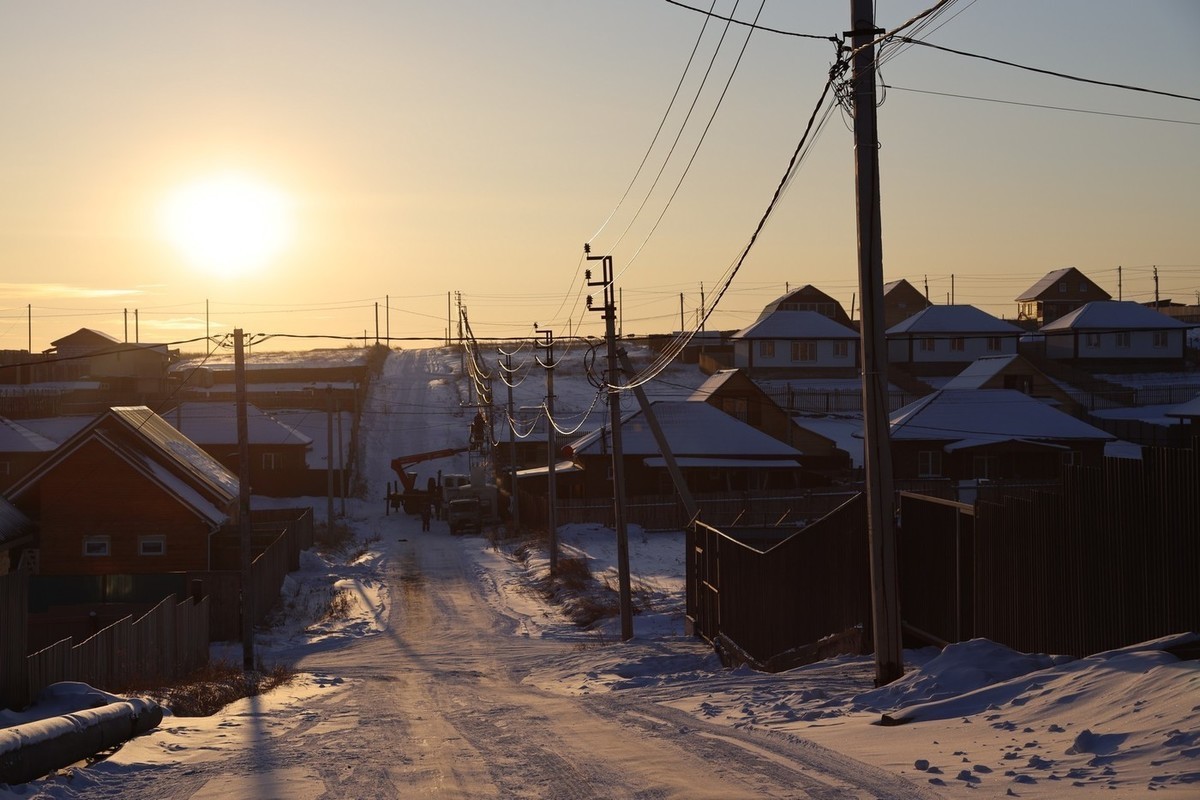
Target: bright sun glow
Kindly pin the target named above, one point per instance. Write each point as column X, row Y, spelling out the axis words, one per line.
column 228, row 224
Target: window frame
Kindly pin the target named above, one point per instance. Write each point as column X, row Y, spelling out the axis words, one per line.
column 154, row 539
column 103, row 550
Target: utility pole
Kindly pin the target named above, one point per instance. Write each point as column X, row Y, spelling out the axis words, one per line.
column 244, row 529
column 702, row 306
column 926, row 288
column 877, row 457
column 1120, row 290
column 551, row 451
column 952, row 297
column 512, row 448
column 1156, row 303
column 609, row 314
column 329, row 457
column 387, row 319
column 681, row 326
column 376, row 322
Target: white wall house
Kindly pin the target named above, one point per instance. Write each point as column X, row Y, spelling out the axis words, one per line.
column 795, row 340
column 950, row 335
column 1115, row 331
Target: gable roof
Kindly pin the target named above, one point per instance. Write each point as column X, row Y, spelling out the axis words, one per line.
column 156, row 450
column 691, row 429
column 982, row 416
column 85, row 336
column 901, row 284
column 1187, row 410
column 216, row 424
column 980, row 371
column 807, row 292
column 953, row 319
column 1051, row 278
column 795, row 325
column 1112, row 315
column 16, row 438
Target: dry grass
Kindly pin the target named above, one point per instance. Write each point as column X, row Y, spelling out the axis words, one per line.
column 217, row 684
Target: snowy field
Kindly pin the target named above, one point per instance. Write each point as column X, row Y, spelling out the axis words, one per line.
column 982, row 720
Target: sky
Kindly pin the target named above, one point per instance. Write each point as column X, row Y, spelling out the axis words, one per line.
column 419, row 150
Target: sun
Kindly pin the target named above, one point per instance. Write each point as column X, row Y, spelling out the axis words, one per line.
column 228, row 224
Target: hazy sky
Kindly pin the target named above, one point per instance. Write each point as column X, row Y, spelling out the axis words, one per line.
column 472, row 146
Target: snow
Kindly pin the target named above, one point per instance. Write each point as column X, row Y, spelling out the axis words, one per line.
column 980, row 720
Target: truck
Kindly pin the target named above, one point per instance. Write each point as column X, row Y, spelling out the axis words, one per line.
column 474, row 486
column 465, row 514
column 406, row 495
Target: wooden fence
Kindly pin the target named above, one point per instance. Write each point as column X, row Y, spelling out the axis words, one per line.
column 14, row 589
column 769, row 598
column 1106, row 560
column 165, row 643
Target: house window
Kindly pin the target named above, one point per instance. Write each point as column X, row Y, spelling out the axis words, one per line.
column 766, row 348
column 1073, row 458
column 152, row 545
column 929, row 464
column 1092, row 340
column 1123, row 339
column 985, row 467
column 841, row 349
column 1160, row 339
column 958, row 344
column 1062, row 287
column 993, row 344
column 1083, row 288
column 927, row 345
column 270, row 461
column 95, row 545
column 804, row 351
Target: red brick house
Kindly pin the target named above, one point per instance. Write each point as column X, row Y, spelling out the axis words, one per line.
column 127, row 494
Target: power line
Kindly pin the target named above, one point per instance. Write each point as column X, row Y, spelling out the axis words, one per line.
column 754, row 25
column 1040, row 71
column 1042, row 105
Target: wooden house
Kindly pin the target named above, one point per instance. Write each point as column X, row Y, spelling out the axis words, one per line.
column 733, row 392
column 127, row 494
column 989, row 434
column 901, row 300
column 1057, row 294
column 1188, row 414
column 278, row 452
column 21, row 449
column 946, row 338
column 715, row 452
column 1014, row 372
column 71, row 355
column 1117, row 334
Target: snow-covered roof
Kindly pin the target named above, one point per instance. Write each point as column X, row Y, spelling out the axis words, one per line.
column 691, row 429
column 185, row 453
column 953, row 319
column 183, row 491
column 87, row 333
column 1048, row 280
column 987, row 415
column 979, row 372
column 1186, row 410
column 16, row 438
column 795, row 325
column 216, row 424
column 712, row 385
column 1112, row 315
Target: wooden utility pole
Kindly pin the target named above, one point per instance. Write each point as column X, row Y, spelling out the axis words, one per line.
column 551, row 453
column 877, row 456
column 609, row 315
column 329, row 457
column 244, row 529
column 512, row 448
